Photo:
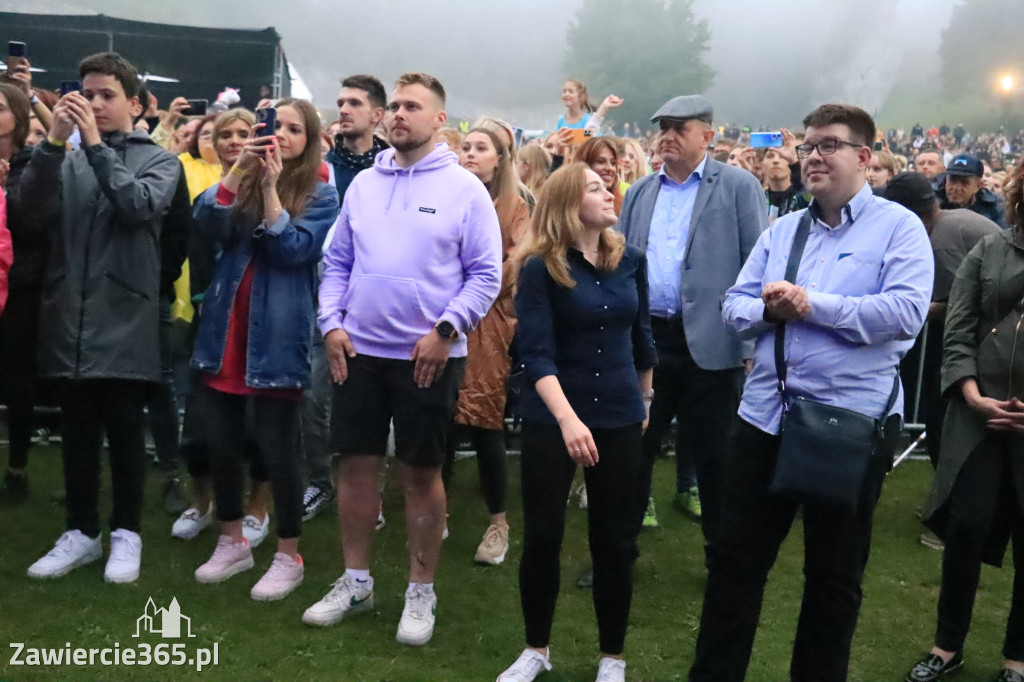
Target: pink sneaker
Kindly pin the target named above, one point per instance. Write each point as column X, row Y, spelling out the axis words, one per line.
column 284, row 575
column 228, row 559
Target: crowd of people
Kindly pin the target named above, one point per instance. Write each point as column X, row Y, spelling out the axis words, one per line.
column 386, row 284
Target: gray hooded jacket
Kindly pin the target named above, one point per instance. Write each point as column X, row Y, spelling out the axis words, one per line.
column 102, row 208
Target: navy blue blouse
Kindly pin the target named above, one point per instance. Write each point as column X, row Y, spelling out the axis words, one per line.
column 594, row 338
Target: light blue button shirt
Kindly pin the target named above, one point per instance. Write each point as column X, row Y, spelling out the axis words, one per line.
column 869, row 283
column 666, row 243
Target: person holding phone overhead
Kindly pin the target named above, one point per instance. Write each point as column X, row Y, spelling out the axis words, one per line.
column 585, row 339
column 270, row 214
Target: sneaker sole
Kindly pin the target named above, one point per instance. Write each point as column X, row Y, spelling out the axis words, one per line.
column 189, row 536
column 121, row 578
column 491, row 560
column 275, row 596
column 411, row 640
column 67, row 569
column 234, row 569
column 323, row 622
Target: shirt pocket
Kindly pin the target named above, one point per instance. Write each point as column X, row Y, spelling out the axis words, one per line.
column 854, row 275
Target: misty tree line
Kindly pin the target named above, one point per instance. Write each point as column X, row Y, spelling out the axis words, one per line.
column 649, row 50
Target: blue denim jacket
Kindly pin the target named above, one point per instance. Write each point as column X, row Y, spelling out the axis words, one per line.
column 282, row 312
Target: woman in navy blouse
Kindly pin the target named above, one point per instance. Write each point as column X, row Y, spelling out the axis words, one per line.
column 585, row 339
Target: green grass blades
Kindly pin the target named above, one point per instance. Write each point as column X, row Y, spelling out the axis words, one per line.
column 479, row 624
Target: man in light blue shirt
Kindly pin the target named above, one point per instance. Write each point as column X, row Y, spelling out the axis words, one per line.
column 860, row 298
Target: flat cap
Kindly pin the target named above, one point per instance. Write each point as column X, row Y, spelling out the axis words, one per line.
column 684, row 107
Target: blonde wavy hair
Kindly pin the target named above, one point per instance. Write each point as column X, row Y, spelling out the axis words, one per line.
column 556, row 226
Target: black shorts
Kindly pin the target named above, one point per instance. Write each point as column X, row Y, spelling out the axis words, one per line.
column 381, row 389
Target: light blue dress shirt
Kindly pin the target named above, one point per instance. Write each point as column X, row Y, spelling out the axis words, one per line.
column 666, row 243
column 869, row 283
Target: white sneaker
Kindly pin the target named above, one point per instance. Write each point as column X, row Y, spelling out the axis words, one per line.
column 125, row 557
column 381, row 522
column 494, row 546
column 191, row 523
column 611, row 670
column 285, row 575
column 229, row 558
column 254, row 530
column 526, row 668
column 73, row 549
column 583, row 495
column 417, row 624
column 346, row 598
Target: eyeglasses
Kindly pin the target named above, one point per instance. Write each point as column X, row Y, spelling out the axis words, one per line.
column 829, row 145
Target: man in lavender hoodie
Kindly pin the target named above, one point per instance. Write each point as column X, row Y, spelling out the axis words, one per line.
column 415, row 263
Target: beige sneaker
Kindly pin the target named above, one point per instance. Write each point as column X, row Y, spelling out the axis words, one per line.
column 494, row 546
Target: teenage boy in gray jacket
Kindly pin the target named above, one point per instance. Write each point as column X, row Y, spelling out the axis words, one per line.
column 103, row 208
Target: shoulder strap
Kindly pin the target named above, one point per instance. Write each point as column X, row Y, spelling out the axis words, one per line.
column 795, row 253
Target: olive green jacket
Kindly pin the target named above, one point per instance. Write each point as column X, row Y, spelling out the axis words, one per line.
column 984, row 339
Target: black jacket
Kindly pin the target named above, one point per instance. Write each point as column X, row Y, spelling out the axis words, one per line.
column 29, row 239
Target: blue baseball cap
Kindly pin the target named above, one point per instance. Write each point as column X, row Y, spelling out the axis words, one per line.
column 965, row 164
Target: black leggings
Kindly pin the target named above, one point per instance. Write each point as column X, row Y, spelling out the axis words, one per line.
column 489, row 445
column 195, row 446
column 612, row 485
column 19, row 327
column 277, row 434
column 91, row 407
column 982, row 495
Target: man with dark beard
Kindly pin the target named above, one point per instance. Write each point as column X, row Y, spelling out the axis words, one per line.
column 360, row 110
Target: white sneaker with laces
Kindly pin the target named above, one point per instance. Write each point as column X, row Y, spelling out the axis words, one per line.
column 229, row 558
column 191, row 523
column 73, row 549
column 125, row 557
column 526, row 668
column 254, row 530
column 417, row 624
column 494, row 546
column 347, row 597
column 611, row 670
column 285, row 575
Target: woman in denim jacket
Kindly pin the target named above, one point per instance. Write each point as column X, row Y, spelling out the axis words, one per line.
column 270, row 215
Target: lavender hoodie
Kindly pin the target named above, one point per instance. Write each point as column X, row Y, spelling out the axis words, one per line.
column 413, row 246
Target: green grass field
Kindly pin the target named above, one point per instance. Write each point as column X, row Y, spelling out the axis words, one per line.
column 479, row 629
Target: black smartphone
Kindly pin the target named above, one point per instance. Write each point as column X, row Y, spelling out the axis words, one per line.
column 196, row 107
column 70, row 86
column 879, row 146
column 268, row 117
column 17, row 49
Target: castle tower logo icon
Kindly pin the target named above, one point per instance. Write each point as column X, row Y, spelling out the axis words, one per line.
column 166, row 622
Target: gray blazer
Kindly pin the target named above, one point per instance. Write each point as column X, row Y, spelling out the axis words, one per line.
column 728, row 216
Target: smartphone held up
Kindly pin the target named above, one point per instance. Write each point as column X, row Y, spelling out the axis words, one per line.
column 268, row 117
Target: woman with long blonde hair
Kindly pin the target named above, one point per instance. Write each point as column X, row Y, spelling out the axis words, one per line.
column 585, row 340
column 533, row 164
column 480, row 411
column 633, row 164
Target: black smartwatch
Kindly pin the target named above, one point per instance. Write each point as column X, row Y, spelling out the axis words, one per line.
column 446, row 330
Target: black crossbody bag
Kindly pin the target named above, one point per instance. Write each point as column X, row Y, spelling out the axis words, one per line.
column 824, row 451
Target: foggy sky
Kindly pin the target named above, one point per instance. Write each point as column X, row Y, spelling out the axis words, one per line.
column 774, row 61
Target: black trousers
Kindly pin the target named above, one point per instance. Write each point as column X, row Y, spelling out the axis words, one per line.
column 983, row 493
column 489, row 445
column 162, row 403
column 547, row 473
column 932, row 406
column 753, row 525
column 276, row 424
column 704, row 403
column 19, row 329
column 90, row 408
